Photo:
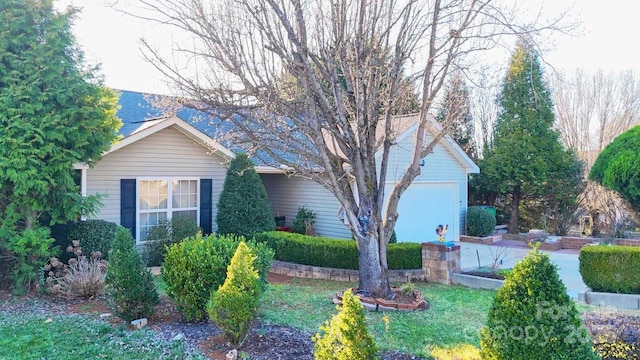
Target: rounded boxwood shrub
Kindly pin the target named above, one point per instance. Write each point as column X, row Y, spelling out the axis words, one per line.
column 614, row 269
column 345, row 336
column 130, row 288
column 233, row 305
column 198, row 265
column 480, row 222
column 533, row 317
column 94, row 235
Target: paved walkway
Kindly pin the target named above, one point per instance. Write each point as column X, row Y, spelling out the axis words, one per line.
column 512, row 251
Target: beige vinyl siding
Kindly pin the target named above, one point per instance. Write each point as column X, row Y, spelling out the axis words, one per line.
column 286, row 194
column 167, row 153
column 439, row 166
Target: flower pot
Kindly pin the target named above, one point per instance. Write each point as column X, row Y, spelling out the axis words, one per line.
column 280, row 221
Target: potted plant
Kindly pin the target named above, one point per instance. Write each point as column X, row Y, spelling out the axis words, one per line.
column 280, row 219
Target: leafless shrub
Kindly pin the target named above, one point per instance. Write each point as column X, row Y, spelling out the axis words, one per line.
column 83, row 277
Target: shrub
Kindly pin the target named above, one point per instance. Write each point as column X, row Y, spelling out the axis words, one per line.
column 335, row 253
column 166, row 233
column 614, row 269
column 345, row 336
column 83, row 277
column 196, row 266
column 94, row 235
column 131, row 291
column 304, row 221
column 480, row 222
column 28, row 252
column 233, row 305
column 243, row 208
column 533, row 317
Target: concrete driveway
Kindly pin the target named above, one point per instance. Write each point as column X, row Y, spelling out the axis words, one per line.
column 511, row 252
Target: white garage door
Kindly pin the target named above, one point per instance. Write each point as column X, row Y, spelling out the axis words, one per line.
column 423, row 207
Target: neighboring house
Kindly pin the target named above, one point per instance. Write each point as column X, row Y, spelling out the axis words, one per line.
column 167, row 165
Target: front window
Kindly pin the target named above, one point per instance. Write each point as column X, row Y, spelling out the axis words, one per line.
column 161, row 199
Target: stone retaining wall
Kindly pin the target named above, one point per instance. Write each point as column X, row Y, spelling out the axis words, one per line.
column 315, row 272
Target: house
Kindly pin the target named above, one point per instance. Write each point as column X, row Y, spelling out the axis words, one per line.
column 167, row 165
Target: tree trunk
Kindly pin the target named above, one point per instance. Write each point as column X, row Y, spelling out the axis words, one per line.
column 515, row 210
column 372, row 275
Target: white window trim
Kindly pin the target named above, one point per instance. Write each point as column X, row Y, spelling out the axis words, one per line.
column 170, row 209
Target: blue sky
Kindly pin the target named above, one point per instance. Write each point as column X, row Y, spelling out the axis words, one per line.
column 112, row 39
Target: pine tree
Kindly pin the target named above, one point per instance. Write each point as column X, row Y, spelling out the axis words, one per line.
column 456, row 112
column 243, row 208
column 526, row 158
column 533, row 317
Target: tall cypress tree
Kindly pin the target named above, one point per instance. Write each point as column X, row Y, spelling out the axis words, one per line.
column 526, row 158
column 243, row 208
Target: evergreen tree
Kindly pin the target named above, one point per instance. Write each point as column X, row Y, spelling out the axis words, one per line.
column 533, row 317
column 233, row 305
column 131, row 290
column 618, row 166
column 53, row 114
column 345, row 336
column 456, row 111
column 526, row 159
column 243, row 208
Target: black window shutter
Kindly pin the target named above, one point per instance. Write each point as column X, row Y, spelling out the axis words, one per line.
column 128, row 205
column 206, row 205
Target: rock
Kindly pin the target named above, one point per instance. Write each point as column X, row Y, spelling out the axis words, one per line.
column 232, row 355
column 139, row 323
column 105, row 315
column 178, row 337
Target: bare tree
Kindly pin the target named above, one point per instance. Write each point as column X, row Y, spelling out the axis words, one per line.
column 592, row 109
column 312, row 85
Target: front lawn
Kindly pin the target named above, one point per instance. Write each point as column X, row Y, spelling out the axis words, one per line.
column 455, row 316
column 80, row 337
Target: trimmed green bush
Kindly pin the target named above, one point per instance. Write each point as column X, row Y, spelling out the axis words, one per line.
column 345, row 336
column 480, row 222
column 166, row 233
column 533, row 317
column 198, row 265
column 233, row 305
column 304, row 221
column 243, row 207
column 94, row 235
column 614, row 269
column 404, row 256
column 335, row 253
column 131, row 291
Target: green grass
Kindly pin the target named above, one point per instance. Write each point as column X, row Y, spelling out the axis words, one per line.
column 450, row 321
column 80, row 337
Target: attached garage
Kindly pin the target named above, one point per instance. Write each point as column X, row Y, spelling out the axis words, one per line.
column 423, row 207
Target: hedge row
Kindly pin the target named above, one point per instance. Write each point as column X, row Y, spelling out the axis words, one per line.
column 613, row 269
column 335, row 253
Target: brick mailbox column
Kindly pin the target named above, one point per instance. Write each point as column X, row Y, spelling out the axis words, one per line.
column 439, row 260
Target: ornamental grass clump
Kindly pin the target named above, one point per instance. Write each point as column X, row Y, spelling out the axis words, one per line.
column 82, row 277
column 233, row 305
column 130, row 288
column 533, row 317
column 345, row 336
